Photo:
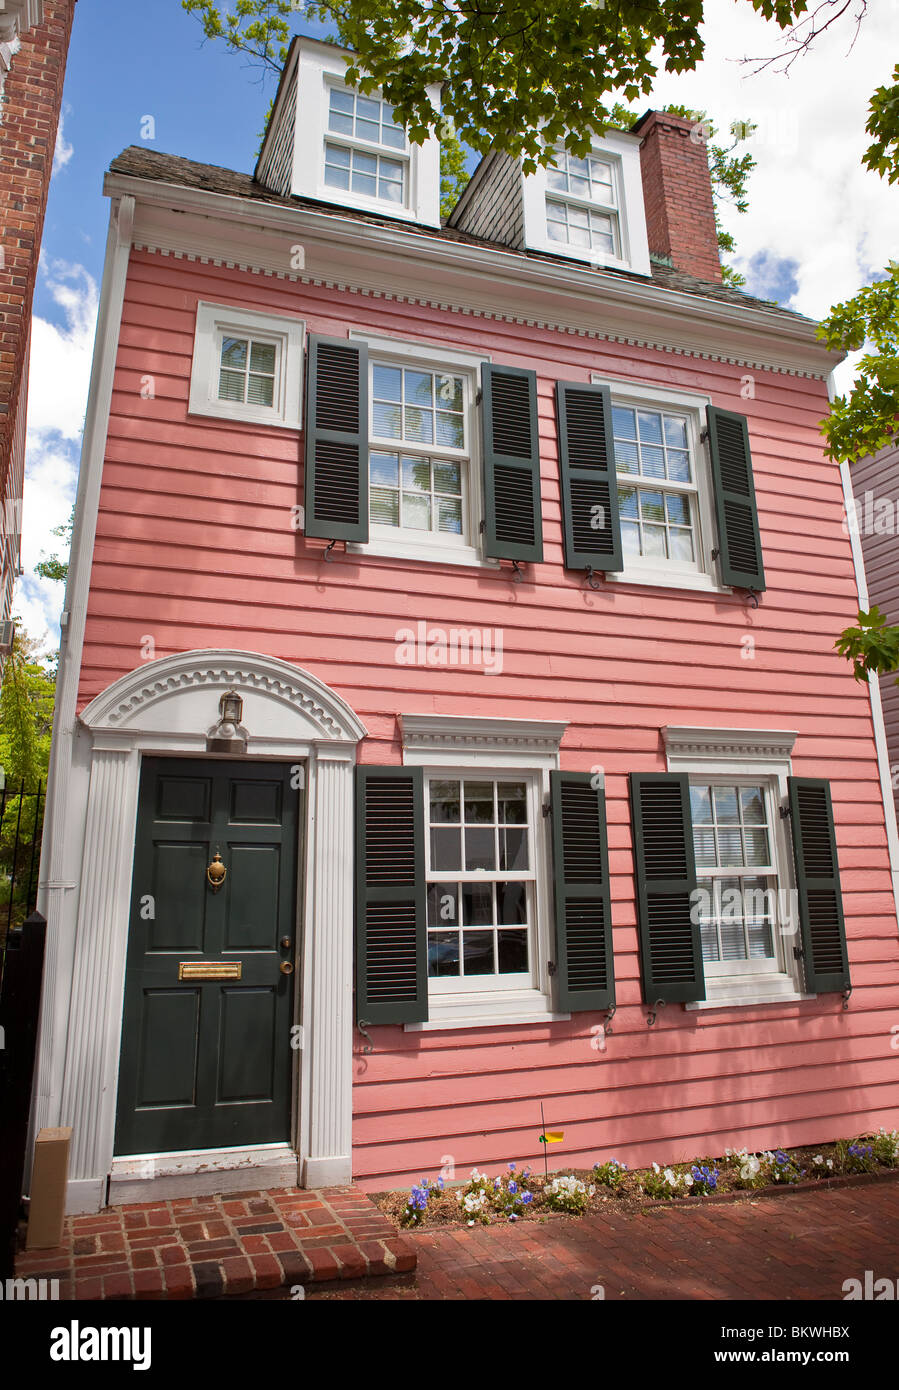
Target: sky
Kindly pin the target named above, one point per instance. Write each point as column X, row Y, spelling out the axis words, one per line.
column 819, row 225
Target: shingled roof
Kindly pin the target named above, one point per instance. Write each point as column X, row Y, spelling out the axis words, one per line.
column 139, row 162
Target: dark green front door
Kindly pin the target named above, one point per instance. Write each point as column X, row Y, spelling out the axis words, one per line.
column 205, row 1062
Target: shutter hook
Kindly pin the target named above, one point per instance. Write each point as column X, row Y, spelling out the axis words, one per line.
column 846, row 993
column 753, row 597
column 330, row 547
column 592, row 581
column 519, row 572
column 610, row 1014
column 654, row 1011
column 370, row 1047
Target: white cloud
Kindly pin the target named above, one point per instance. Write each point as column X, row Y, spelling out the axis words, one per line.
column 61, row 354
column 62, row 152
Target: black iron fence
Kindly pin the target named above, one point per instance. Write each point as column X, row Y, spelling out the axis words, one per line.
column 21, row 825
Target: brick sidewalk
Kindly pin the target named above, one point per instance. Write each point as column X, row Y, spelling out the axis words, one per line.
column 793, row 1245
column 206, row 1247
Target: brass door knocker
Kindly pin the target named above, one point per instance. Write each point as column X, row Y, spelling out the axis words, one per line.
column 216, row 872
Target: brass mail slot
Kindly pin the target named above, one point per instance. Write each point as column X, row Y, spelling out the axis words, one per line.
column 209, row 969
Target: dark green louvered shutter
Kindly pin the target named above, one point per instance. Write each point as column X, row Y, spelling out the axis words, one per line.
column 336, row 468
column 664, row 865
column 590, row 520
column 818, row 881
column 585, row 973
column 513, row 526
column 391, row 929
column 739, row 542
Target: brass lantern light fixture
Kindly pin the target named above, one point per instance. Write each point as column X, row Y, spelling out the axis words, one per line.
column 228, row 735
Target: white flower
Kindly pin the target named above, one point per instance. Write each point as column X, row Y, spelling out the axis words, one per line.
column 750, row 1167
column 830, row 1163
column 655, row 1168
column 688, row 1179
column 818, row 1160
column 670, row 1178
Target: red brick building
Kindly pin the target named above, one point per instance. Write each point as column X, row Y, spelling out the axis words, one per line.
column 34, row 42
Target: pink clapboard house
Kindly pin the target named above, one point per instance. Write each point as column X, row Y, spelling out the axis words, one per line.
column 449, row 720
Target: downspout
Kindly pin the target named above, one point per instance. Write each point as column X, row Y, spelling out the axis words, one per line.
column 880, row 736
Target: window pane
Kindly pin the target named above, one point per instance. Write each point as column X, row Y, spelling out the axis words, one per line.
column 650, row 426
column 446, row 848
column 652, row 461
column 449, row 392
column 511, row 903
column 478, row 801
column 365, row 183
column 443, row 904
column 478, row 950
column 393, row 192
column 701, row 805
column 726, row 805
column 231, row 386
column 730, row 847
column 654, row 541
column 384, row 470
column 513, row 806
column 416, row 511
column 753, row 806
column 342, row 123
column 260, row 390
column 678, row 509
column 384, row 507
column 392, row 170
column 556, row 178
column 387, row 383
column 368, row 130
column 624, row 422
column 234, row 353
column 445, row 802
column 756, row 847
column 678, row 466
column 680, row 545
column 480, row 848
column 704, row 848
column 262, row 358
column 385, row 421
column 417, row 475
column 477, row 904
column 652, row 508
column 627, row 501
column 450, row 430
column 513, row 952
column 369, row 108
column 448, row 478
column 419, row 425
column 626, row 457
column 449, row 515
column 443, row 953
column 630, row 538
column 393, row 136
column 341, row 100
column 513, row 849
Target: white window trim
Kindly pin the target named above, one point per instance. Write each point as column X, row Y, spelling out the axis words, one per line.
column 638, row 570
column 354, row 142
column 622, row 151
column 445, row 745
column 288, row 333
column 764, row 754
column 319, row 66
column 405, row 546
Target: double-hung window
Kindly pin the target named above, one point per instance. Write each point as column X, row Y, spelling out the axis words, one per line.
column 366, row 152
column 480, row 883
column 582, row 203
column 246, row 366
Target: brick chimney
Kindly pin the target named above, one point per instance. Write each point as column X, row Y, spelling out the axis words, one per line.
column 34, row 42
column 677, row 191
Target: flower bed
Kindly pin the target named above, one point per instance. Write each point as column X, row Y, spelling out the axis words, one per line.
column 519, row 1194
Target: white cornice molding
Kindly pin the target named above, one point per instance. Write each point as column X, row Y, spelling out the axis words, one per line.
column 442, row 732
column 125, row 703
column 398, row 263
column 748, row 745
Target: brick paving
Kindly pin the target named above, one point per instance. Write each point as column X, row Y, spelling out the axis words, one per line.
column 791, row 1245
column 210, row 1247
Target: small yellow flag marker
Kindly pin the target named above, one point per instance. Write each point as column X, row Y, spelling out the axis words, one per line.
column 552, row 1136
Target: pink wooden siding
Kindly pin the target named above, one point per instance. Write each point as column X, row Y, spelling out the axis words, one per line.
column 195, row 548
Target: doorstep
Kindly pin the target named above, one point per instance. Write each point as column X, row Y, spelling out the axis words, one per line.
column 210, row 1247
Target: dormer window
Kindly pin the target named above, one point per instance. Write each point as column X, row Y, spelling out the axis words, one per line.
column 582, row 203
column 334, row 144
column 590, row 208
column 352, row 164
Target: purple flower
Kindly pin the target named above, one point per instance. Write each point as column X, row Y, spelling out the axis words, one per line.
column 513, row 1186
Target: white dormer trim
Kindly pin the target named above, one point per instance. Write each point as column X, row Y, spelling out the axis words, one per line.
column 18, row 16
column 622, row 150
column 321, row 66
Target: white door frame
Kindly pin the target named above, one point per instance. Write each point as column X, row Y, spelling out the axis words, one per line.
column 167, row 707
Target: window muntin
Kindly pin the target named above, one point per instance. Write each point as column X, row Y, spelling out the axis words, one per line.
column 480, row 883
column 372, row 175
column 248, row 371
column 423, row 486
column 586, row 215
column 733, row 843
column 657, row 489
column 364, row 118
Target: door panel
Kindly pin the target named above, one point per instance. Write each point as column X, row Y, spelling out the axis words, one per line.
column 206, row 1063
